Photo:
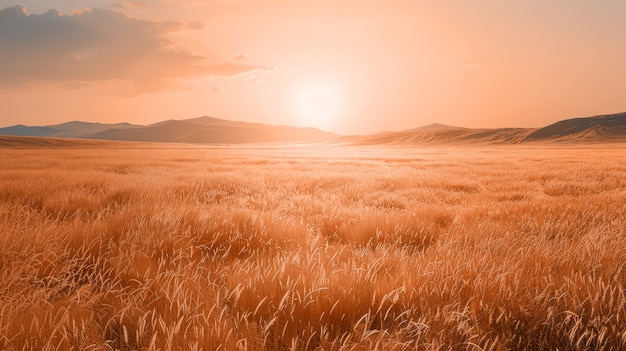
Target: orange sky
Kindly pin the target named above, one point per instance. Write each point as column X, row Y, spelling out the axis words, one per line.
column 351, row 66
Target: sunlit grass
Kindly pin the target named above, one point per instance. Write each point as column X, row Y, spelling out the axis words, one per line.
column 309, row 248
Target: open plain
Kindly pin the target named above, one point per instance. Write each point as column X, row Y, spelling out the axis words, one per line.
column 313, row 247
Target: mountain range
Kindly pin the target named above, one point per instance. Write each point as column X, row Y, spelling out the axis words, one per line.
column 596, row 129
column 209, row 130
column 205, row 130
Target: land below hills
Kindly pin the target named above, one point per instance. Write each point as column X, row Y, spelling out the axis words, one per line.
column 433, row 238
column 268, row 248
column 209, row 130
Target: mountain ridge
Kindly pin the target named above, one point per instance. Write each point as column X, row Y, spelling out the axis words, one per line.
column 434, row 127
column 607, row 126
column 210, row 130
column 202, row 130
column 610, row 128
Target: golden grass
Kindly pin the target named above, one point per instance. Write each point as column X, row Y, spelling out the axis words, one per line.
column 304, row 248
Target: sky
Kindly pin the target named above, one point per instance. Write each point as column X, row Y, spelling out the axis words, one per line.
column 350, row 66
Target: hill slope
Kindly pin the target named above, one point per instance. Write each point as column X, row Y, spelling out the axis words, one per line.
column 74, row 129
column 444, row 136
column 196, row 130
column 598, row 129
column 588, row 129
column 34, row 142
column 209, row 130
column 435, row 127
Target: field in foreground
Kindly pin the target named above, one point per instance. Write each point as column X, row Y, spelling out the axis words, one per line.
column 507, row 248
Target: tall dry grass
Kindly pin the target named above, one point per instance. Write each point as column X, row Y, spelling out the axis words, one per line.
column 313, row 249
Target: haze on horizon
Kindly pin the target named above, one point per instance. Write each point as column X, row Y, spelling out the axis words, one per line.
column 346, row 67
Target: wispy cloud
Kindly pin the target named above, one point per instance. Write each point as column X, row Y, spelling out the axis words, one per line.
column 240, row 56
column 130, row 4
column 96, row 45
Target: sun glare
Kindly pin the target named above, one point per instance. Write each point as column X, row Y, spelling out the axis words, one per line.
column 318, row 105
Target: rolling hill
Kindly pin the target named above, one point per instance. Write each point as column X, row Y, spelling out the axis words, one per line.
column 597, row 129
column 206, row 130
column 28, row 142
column 588, row 129
column 444, row 136
column 435, row 127
column 209, row 130
column 74, row 129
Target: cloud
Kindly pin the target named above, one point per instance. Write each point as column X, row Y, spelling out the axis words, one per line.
column 129, row 4
column 230, row 69
column 98, row 45
column 241, row 56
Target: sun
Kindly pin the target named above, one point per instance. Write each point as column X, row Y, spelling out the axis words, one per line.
column 318, row 105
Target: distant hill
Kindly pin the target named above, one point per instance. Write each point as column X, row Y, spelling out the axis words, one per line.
column 450, row 135
column 598, row 129
column 28, row 142
column 21, row 130
column 206, row 130
column 74, row 129
column 77, row 129
column 209, row 130
column 588, row 129
column 435, row 127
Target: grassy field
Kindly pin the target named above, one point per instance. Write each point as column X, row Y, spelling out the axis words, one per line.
column 313, row 248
